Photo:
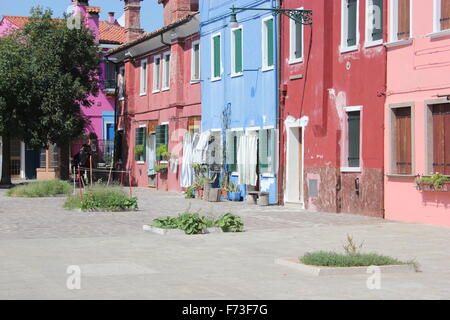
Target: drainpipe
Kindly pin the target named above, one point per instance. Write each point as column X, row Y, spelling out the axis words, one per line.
column 277, row 35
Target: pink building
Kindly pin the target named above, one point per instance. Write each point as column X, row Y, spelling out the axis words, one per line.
column 159, row 93
column 109, row 34
column 417, row 113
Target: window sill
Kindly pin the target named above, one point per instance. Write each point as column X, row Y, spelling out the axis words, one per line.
column 398, row 43
column 235, row 174
column 267, row 175
column 400, row 176
column 143, row 94
column 348, row 49
column 295, row 61
column 140, row 162
column 351, row 169
column 235, row 75
column 215, row 79
column 264, row 69
column 371, row 44
column 194, row 81
column 165, row 89
column 156, row 91
column 439, row 34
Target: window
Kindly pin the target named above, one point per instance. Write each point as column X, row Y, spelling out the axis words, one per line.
column 162, row 138
column 349, row 26
column 216, row 61
column 110, row 75
column 232, row 147
column 374, row 22
column 296, row 41
column 401, row 149
column 166, row 71
column 139, row 146
column 121, row 82
column 353, row 139
column 400, row 20
column 267, row 44
column 194, row 125
column 236, row 51
column 442, row 15
column 195, row 65
column 156, row 73
column 441, row 138
column 266, row 151
column 143, row 81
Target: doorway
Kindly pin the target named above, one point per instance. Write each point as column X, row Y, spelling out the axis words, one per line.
column 16, row 163
column 294, row 166
column 151, row 160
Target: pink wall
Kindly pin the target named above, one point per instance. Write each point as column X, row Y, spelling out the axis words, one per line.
column 417, row 72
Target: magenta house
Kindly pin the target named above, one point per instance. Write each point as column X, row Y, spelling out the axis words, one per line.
column 43, row 164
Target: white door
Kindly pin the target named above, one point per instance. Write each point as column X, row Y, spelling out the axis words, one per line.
column 294, row 166
column 151, row 159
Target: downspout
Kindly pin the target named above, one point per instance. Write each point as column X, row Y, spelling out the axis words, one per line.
column 277, row 35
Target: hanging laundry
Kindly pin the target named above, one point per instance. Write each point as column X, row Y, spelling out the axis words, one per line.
column 187, row 172
column 173, row 165
column 200, row 151
column 247, row 159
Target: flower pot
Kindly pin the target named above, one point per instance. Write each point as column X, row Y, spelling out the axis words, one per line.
column 224, row 194
column 234, row 196
column 200, row 194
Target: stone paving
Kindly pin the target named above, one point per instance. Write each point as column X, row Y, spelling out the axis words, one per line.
column 39, row 240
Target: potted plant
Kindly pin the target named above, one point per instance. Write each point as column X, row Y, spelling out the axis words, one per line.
column 436, row 182
column 223, row 190
column 161, row 168
column 234, row 192
column 139, row 150
column 198, row 186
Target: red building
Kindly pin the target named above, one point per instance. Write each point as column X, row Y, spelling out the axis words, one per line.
column 332, row 96
column 159, row 93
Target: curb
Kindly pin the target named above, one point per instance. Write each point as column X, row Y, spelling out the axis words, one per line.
column 294, row 263
column 161, row 231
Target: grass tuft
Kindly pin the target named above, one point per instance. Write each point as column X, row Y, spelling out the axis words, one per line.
column 332, row 259
column 41, row 189
column 102, row 198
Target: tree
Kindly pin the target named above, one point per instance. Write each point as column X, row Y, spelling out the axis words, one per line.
column 51, row 73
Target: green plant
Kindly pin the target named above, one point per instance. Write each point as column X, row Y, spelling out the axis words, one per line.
column 165, row 223
column 103, row 198
column 189, row 193
column 199, row 183
column 199, row 169
column 436, row 180
column 230, row 223
column 139, row 150
column 161, row 168
column 41, row 189
column 191, row 223
column 232, row 187
column 162, row 152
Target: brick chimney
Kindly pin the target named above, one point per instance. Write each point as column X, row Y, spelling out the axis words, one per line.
column 90, row 14
column 132, row 20
column 177, row 9
column 111, row 18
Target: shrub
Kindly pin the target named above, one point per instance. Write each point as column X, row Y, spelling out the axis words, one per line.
column 436, row 180
column 165, row 223
column 41, row 189
column 191, row 223
column 230, row 223
column 332, row 259
column 103, row 198
column 189, row 193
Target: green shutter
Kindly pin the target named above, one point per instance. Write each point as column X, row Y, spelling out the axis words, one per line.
column 269, row 25
column 263, row 151
column 161, row 138
column 231, row 150
column 140, row 141
column 351, row 22
column 353, row 138
column 271, row 141
column 298, row 40
column 238, row 51
column 216, row 71
column 377, row 33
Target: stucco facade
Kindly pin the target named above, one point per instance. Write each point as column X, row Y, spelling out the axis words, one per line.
column 417, row 80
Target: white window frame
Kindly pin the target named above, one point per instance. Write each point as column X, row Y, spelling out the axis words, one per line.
column 121, row 82
column 194, row 43
column 164, row 67
column 369, row 42
column 344, row 161
column 156, row 86
column 393, row 23
column 213, row 78
column 344, row 27
column 437, row 32
column 233, row 55
column 292, row 43
column 143, row 77
column 264, row 44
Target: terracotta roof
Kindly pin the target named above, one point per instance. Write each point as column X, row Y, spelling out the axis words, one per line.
column 152, row 34
column 93, row 9
column 109, row 33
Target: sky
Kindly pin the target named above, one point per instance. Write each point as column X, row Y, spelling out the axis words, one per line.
column 151, row 11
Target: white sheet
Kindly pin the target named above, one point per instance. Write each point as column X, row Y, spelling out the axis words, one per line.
column 247, row 159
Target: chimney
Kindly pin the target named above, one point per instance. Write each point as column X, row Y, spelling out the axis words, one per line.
column 132, row 20
column 111, row 19
column 93, row 21
column 177, row 9
column 80, row 7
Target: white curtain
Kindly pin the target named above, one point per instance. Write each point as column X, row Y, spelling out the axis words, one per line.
column 187, row 173
column 151, row 154
column 247, row 159
column 200, row 150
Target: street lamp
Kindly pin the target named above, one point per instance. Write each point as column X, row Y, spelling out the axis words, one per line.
column 303, row 17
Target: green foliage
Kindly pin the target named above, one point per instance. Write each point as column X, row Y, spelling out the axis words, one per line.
column 332, row 259
column 162, row 152
column 41, row 189
column 139, row 150
column 199, row 183
column 165, row 223
column 230, row 223
column 232, row 187
column 436, row 180
column 103, row 199
column 161, row 168
column 191, row 223
column 189, row 193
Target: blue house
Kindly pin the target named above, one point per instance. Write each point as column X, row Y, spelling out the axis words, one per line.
column 239, row 90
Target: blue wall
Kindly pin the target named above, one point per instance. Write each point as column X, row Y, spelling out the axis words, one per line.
column 252, row 97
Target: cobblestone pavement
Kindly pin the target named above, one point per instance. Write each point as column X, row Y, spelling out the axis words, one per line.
column 39, row 240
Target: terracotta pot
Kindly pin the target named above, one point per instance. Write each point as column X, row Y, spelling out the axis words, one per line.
column 224, row 193
column 200, row 194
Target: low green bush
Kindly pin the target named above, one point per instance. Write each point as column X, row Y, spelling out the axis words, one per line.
column 191, row 223
column 165, row 223
column 230, row 223
column 41, row 189
column 102, row 199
